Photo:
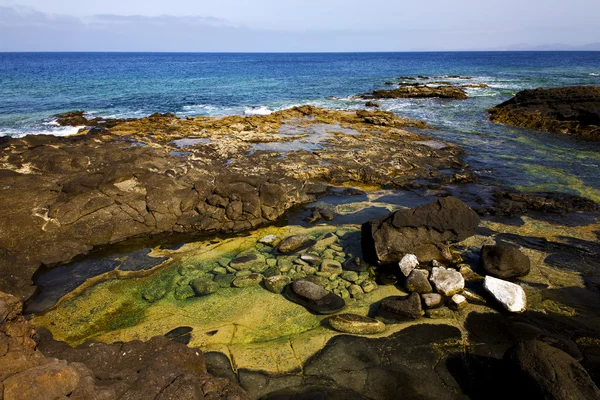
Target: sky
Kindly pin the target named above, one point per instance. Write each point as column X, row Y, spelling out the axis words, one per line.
column 307, row 25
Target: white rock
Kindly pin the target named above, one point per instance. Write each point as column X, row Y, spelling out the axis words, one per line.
column 270, row 240
column 408, row 263
column 447, row 281
column 510, row 295
column 432, row 300
column 458, row 301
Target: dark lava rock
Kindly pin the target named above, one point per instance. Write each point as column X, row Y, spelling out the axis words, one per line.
column 504, row 262
column 314, row 297
column 183, row 334
column 417, row 282
column 372, row 104
column 574, row 110
column 419, row 91
column 549, row 373
column 402, row 307
column 513, row 203
column 294, row 243
column 423, row 231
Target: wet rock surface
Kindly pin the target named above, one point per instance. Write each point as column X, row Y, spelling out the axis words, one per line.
column 574, row 110
column 424, row 231
column 356, row 324
column 132, row 180
column 314, row 297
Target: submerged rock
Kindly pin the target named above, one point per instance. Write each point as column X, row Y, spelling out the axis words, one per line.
column 447, row 281
column 504, row 262
column 574, row 110
column 203, row 287
column 277, row 283
column 510, row 295
column 356, row 324
column 424, row 231
column 546, row 372
column 248, row 262
column 354, row 264
column 294, row 243
column 249, row 280
column 270, row 240
column 402, row 307
column 314, row 297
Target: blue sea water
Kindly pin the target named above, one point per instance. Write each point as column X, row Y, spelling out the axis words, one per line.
column 36, row 86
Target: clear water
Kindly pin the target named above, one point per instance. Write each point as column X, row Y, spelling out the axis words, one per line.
column 35, row 86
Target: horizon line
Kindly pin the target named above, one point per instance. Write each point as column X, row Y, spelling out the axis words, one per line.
column 295, row 52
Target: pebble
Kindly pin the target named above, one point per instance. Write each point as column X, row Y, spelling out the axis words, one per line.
column 458, row 302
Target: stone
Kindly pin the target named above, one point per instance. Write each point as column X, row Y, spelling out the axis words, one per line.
column 408, row 263
column 350, row 276
column 368, row 286
column 225, row 281
column 510, row 295
column 325, row 241
column 473, row 298
column 432, row 300
column 402, row 307
column 270, row 240
column 154, row 293
column 331, row 267
column 314, row 297
column 356, row 324
column 307, row 269
column 219, row 270
column 248, row 262
column 354, row 264
column 545, row 372
column 447, row 281
column 417, row 282
column 356, row 291
column 419, row 91
column 203, row 287
column 424, row 231
column 247, row 281
column 271, row 262
column 326, row 214
column 45, row 382
column 184, row 292
column 467, row 273
column 504, row 262
column 458, row 302
column 294, row 243
column 271, row 271
column 311, row 259
column 277, row 283
column 573, row 110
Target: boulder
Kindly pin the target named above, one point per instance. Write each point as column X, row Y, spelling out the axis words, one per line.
column 574, row 110
column 294, row 243
column 402, row 307
column 510, row 295
column 504, row 262
column 314, row 297
column 408, row 263
column 417, row 282
column 356, row 324
column 447, row 281
column 424, row 231
column 546, row 372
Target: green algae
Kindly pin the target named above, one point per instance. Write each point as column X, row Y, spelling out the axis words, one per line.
column 558, row 180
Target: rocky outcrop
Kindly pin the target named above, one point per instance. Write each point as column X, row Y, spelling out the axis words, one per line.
column 507, row 203
column 424, row 231
column 419, row 91
column 132, row 180
column 34, row 366
column 574, row 110
column 546, row 372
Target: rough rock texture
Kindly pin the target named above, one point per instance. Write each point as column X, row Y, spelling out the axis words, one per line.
column 356, row 324
column 417, row 282
column 134, row 180
column 418, row 91
column 432, row 300
column 314, row 297
column 402, row 307
column 574, row 110
column 507, row 203
column 549, row 373
column 447, row 281
column 424, row 231
column 504, row 262
column 49, row 370
column 408, row 263
column 510, row 295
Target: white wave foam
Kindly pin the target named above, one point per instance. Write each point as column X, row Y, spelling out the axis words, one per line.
column 262, row 110
column 58, row 131
column 594, row 74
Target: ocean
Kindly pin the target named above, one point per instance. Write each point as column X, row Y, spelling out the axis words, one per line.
column 36, row 86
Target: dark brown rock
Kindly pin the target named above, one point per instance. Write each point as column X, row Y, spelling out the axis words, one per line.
column 574, row 110
column 419, row 91
column 402, row 307
column 314, row 297
column 424, row 231
column 504, row 262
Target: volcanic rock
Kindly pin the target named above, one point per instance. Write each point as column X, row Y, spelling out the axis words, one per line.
column 417, row 282
column 402, row 307
column 504, row 262
column 314, row 297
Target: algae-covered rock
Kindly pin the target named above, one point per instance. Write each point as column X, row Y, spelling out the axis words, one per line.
column 154, row 293
column 203, row 287
column 277, row 283
column 225, row 281
column 247, row 281
column 248, row 262
column 331, row 267
column 294, row 243
column 356, row 324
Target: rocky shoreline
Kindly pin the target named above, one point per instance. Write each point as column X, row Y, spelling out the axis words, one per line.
column 324, row 309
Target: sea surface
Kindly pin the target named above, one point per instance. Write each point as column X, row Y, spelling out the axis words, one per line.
column 36, row 86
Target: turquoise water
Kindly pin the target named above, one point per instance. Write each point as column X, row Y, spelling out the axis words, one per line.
column 35, row 86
